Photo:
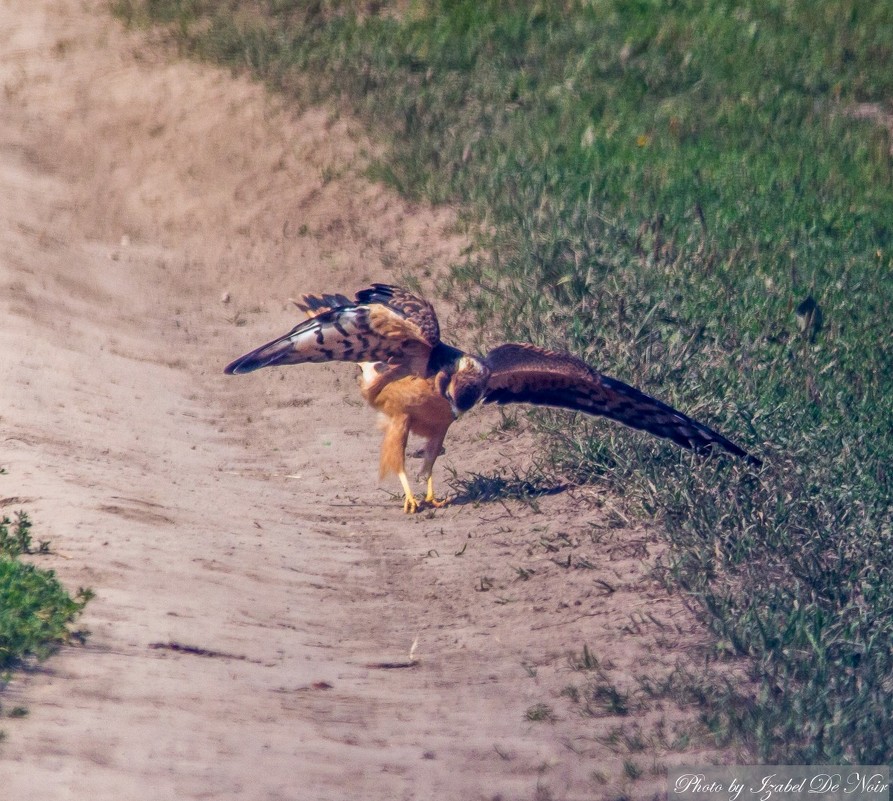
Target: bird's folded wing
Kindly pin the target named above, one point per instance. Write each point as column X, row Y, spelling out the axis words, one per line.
column 529, row 374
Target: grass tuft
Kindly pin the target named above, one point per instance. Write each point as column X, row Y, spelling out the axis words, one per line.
column 540, row 713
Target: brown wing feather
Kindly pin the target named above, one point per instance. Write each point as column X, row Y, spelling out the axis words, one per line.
column 528, row 374
column 418, row 314
column 384, row 324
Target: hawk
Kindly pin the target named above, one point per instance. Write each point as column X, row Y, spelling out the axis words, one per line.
column 422, row 385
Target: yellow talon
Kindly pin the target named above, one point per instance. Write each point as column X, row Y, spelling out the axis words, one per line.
column 430, row 498
column 410, row 504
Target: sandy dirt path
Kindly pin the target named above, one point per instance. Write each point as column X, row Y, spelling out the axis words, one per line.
column 252, row 578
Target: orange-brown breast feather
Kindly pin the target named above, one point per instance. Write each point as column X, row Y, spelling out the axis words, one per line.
column 428, row 411
column 410, row 403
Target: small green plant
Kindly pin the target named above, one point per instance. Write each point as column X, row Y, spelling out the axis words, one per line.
column 604, row 698
column 15, row 536
column 17, row 541
column 572, row 693
column 35, row 610
column 585, row 661
column 630, row 740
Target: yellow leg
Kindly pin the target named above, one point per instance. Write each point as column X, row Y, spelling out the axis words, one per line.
column 410, row 503
column 430, row 497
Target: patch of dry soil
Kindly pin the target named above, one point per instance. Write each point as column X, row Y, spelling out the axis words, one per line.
column 258, row 594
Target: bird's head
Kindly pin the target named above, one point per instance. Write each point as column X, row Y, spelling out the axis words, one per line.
column 463, row 383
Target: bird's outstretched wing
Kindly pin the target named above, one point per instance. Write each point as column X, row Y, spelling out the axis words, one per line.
column 529, row 374
column 383, row 324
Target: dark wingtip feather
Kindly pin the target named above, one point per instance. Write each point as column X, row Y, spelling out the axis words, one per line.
column 663, row 420
column 752, row 460
column 237, row 367
column 313, row 305
column 377, row 293
column 244, row 364
column 726, row 445
column 704, row 440
column 265, row 356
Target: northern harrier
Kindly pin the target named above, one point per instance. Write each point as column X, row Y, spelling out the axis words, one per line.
column 422, row 384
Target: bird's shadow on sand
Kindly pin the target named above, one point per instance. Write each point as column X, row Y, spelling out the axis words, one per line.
column 476, row 488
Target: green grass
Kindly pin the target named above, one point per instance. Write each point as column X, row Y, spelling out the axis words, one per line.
column 660, row 187
column 36, row 612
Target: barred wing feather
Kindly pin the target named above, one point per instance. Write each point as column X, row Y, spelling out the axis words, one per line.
column 382, row 325
column 529, row 374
